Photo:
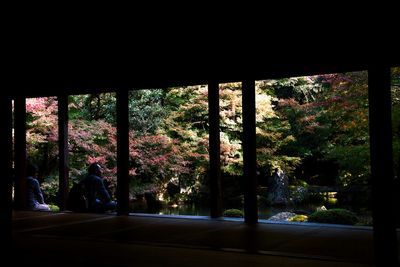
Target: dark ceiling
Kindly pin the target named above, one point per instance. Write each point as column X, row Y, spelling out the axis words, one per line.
column 47, row 73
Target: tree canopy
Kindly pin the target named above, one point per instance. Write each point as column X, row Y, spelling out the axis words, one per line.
column 314, row 128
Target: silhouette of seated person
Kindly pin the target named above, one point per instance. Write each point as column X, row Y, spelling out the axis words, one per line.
column 99, row 199
column 35, row 200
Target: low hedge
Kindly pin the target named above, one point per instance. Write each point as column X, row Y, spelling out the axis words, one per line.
column 334, row 216
column 233, row 213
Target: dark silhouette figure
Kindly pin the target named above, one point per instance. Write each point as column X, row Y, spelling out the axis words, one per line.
column 98, row 198
column 34, row 193
column 77, row 200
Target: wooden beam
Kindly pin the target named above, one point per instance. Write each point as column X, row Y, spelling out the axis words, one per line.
column 63, row 169
column 249, row 151
column 214, row 150
column 99, row 77
column 385, row 239
column 123, row 152
column 20, row 197
column 7, row 176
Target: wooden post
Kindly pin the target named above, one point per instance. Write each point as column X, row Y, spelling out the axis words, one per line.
column 123, row 152
column 249, row 152
column 385, row 240
column 20, row 198
column 7, row 176
column 214, row 150
column 63, row 169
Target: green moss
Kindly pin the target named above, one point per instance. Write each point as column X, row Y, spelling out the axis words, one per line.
column 298, row 218
column 334, row 216
column 233, row 213
column 332, row 201
column 54, row 208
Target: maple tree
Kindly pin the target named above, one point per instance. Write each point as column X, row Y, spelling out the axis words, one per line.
column 317, row 119
column 42, row 134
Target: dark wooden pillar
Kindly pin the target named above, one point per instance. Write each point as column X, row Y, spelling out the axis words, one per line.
column 214, row 150
column 249, row 151
column 123, row 152
column 20, row 152
column 7, row 176
column 385, row 242
column 63, row 169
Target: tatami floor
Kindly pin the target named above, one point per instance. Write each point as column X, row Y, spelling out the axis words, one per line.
column 75, row 239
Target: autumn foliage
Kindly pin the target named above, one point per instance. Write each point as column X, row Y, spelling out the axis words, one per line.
column 300, row 121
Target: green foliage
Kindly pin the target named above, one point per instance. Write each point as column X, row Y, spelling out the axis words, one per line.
column 157, row 159
column 396, row 77
column 332, row 201
column 92, row 135
column 299, row 182
column 347, row 112
column 42, row 134
column 137, row 187
column 93, row 107
column 303, row 89
column 50, row 189
column 328, row 122
column 318, row 119
column 231, row 109
column 290, row 130
column 314, row 198
column 169, row 138
column 233, row 213
column 298, row 218
column 54, row 208
column 354, row 163
column 299, row 193
column 334, row 216
column 231, row 128
column 146, row 111
column 92, row 141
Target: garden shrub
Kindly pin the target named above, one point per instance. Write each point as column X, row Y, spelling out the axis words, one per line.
column 298, row 218
column 298, row 194
column 335, row 216
column 54, row 208
column 233, row 213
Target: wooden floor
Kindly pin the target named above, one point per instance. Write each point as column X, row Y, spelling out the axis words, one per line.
column 74, row 239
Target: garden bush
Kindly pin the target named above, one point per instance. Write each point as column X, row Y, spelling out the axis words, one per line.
column 54, row 208
column 233, row 213
column 298, row 218
column 335, row 216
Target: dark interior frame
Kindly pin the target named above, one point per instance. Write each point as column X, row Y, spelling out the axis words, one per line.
column 384, row 229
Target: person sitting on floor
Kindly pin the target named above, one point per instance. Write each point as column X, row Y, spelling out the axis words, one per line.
column 99, row 200
column 34, row 193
